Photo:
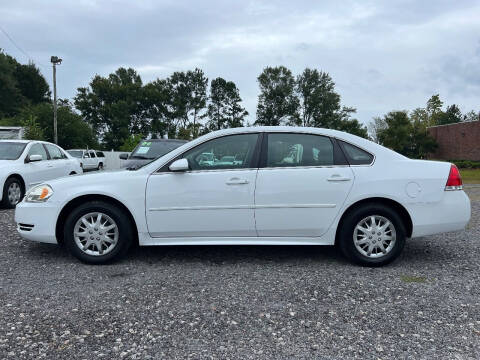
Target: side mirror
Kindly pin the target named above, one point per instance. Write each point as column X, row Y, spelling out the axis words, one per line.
column 33, row 158
column 123, row 156
column 179, row 165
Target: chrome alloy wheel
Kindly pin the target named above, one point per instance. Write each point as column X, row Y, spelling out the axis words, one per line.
column 14, row 193
column 96, row 234
column 374, row 236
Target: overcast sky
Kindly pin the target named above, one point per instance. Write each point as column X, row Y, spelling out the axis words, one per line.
column 382, row 55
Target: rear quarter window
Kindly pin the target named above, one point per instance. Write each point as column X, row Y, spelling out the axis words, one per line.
column 355, row 155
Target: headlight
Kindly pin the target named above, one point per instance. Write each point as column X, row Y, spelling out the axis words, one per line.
column 40, row 193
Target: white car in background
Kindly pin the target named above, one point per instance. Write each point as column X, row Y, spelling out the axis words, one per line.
column 89, row 159
column 288, row 186
column 25, row 163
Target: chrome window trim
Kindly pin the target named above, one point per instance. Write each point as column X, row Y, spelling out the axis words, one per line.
column 200, row 171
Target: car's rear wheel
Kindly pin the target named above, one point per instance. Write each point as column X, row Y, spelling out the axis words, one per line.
column 100, row 166
column 98, row 232
column 372, row 235
column 13, row 192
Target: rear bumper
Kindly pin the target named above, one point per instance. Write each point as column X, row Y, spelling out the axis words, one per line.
column 37, row 222
column 452, row 213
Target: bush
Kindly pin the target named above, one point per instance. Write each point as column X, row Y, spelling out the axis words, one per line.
column 466, row 164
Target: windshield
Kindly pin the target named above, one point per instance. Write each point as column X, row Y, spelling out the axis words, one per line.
column 76, row 153
column 11, row 150
column 150, row 150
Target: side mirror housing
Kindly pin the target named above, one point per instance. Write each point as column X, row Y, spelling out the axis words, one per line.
column 123, row 156
column 33, row 158
column 179, row 165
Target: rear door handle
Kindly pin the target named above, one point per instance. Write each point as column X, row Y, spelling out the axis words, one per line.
column 49, row 166
column 338, row 178
column 237, row 181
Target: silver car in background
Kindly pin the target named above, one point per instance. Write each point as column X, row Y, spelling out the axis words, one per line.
column 149, row 150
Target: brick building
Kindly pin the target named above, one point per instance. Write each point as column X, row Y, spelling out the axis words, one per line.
column 457, row 141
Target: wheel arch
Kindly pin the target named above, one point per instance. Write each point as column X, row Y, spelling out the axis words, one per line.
column 83, row 199
column 399, row 208
column 19, row 177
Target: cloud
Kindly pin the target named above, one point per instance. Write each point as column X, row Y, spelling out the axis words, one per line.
column 382, row 55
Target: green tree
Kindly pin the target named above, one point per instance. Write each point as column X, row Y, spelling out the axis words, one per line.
column 452, row 115
column 375, row 127
column 115, row 107
column 198, row 83
column 471, row 116
column 224, row 109
column 73, row 132
column 277, row 103
column 320, row 104
column 130, row 143
column 158, row 108
column 434, row 109
column 20, row 86
column 404, row 135
column 32, row 130
column 188, row 92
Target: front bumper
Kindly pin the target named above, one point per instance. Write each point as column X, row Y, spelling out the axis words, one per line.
column 37, row 221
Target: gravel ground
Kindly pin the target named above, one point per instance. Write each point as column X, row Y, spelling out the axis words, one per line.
column 238, row 302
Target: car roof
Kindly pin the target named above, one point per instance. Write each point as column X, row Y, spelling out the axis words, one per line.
column 166, row 140
column 16, row 141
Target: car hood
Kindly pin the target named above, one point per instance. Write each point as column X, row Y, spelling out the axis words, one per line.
column 7, row 163
column 135, row 163
column 102, row 177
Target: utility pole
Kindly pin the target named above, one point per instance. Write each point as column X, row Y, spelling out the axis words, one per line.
column 55, row 61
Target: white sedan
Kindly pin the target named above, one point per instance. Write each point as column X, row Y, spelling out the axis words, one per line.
column 292, row 186
column 25, row 163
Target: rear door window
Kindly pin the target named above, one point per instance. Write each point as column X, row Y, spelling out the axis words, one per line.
column 291, row 150
column 55, row 152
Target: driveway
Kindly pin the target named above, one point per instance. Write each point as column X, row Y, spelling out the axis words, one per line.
column 242, row 302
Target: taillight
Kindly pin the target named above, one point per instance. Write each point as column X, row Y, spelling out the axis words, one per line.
column 454, row 181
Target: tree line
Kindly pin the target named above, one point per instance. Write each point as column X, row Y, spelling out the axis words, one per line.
column 406, row 131
column 114, row 111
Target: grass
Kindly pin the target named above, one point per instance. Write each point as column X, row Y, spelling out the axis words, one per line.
column 470, row 176
column 413, row 279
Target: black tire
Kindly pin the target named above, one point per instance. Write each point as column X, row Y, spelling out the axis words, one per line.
column 125, row 229
column 100, row 166
column 6, row 203
column 346, row 234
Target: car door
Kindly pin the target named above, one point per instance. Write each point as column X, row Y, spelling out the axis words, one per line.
column 58, row 162
column 93, row 159
column 302, row 183
column 36, row 172
column 212, row 199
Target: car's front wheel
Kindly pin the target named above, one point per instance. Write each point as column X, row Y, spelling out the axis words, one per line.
column 13, row 192
column 372, row 235
column 98, row 232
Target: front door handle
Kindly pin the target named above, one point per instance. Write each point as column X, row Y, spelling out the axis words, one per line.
column 337, row 177
column 49, row 166
column 237, row 181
